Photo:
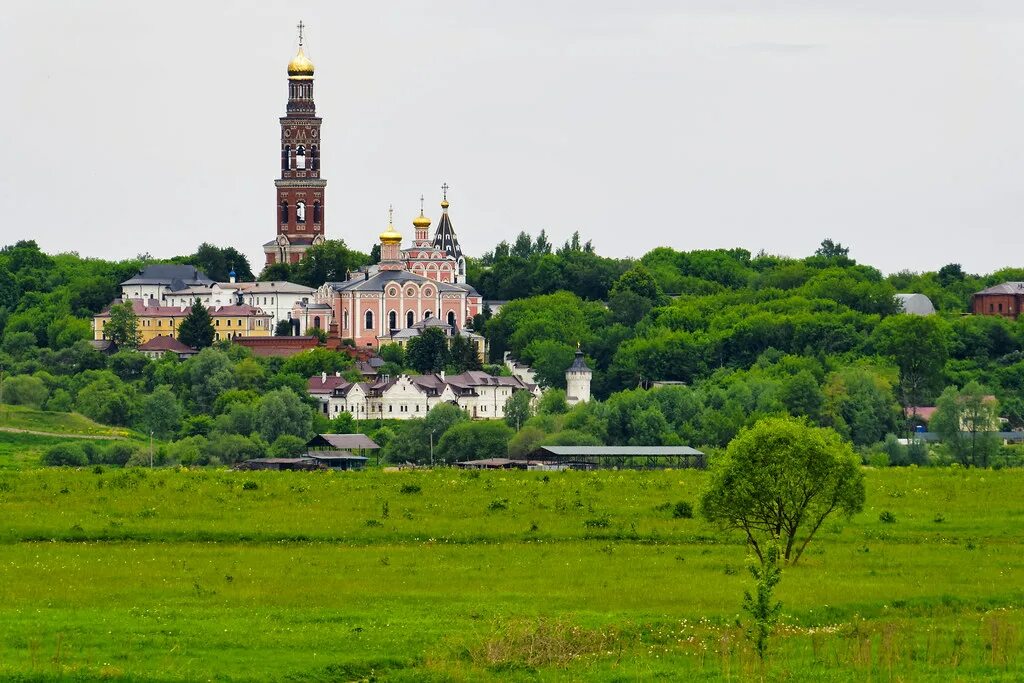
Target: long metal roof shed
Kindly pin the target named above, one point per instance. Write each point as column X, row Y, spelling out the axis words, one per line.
column 341, row 442
column 622, row 457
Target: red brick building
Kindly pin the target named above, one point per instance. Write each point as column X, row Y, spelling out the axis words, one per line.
column 1004, row 300
column 300, row 204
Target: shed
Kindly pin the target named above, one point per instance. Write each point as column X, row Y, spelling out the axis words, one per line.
column 621, row 457
column 279, row 464
column 338, row 460
column 343, row 442
column 493, row 464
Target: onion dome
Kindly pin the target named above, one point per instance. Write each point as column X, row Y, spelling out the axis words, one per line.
column 300, row 68
column 421, row 221
column 390, row 236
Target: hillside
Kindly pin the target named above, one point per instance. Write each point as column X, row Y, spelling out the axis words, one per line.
column 25, row 433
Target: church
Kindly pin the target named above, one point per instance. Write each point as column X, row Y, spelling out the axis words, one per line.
column 409, row 290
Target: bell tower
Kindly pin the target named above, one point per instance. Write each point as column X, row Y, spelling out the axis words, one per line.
column 300, row 203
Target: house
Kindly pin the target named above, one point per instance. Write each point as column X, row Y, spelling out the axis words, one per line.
column 156, row 347
column 153, row 281
column 404, row 397
column 922, row 415
column 157, row 320
column 1003, row 299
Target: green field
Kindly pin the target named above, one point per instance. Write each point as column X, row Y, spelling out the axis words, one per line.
column 449, row 575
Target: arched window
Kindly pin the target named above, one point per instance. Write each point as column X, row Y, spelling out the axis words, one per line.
column 451, row 318
column 300, row 212
column 300, row 157
column 392, row 320
column 285, row 155
column 344, row 320
column 314, row 158
column 316, row 322
column 427, row 315
column 316, row 212
column 284, row 212
column 410, row 319
column 369, row 320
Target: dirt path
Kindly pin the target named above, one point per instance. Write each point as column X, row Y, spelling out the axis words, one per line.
column 104, row 437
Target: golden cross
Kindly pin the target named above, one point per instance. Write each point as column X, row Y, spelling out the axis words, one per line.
column 300, row 27
column 444, row 192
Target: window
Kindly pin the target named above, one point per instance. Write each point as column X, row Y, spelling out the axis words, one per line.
column 284, row 212
column 300, row 212
column 316, row 212
column 991, row 308
column 369, row 320
column 316, row 322
column 426, row 316
column 1000, row 308
column 393, row 320
column 410, row 319
column 344, row 320
column 300, row 158
column 314, row 158
column 451, row 318
column 285, row 157
column 229, row 323
column 239, row 323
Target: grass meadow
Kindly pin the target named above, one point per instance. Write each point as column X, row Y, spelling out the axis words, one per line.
column 449, row 575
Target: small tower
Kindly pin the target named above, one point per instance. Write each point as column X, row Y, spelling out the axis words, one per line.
column 391, row 247
column 577, row 380
column 445, row 240
column 422, row 226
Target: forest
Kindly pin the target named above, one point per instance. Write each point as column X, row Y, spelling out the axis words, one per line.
column 687, row 347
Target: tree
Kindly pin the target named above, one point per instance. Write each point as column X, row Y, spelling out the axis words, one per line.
column 469, row 440
column 802, row 396
column 210, row 373
column 639, row 281
column 518, row 409
column 24, row 390
column 918, row 345
column 428, row 352
column 761, row 606
column 779, row 480
column 552, row 402
column 282, row 412
column 966, row 420
column 107, row 399
column 123, row 326
column 196, row 330
column 161, row 413
column 327, row 262
column 830, row 249
column 392, row 353
column 283, row 328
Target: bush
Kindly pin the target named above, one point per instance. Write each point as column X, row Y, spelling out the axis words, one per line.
column 288, row 446
column 250, row 485
column 887, row 517
column 65, row 454
column 682, row 510
column 410, row 488
column 25, row 390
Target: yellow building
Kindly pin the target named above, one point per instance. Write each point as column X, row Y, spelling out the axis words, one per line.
column 163, row 321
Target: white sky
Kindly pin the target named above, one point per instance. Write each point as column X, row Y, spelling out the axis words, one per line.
column 891, row 126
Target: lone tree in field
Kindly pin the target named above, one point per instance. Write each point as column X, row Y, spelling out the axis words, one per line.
column 779, row 480
column 196, row 330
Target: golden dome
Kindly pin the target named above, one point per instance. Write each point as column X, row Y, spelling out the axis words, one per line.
column 421, row 221
column 391, row 236
column 300, row 67
column 444, row 204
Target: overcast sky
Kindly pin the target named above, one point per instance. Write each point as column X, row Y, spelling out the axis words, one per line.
column 892, row 126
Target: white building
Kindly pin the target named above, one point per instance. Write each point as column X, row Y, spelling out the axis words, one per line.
column 152, row 282
column 405, row 397
column 278, row 299
column 577, row 381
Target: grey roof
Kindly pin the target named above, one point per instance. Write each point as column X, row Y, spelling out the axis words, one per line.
column 377, row 281
column 444, row 237
column 915, row 304
column 176, row 275
column 273, row 287
column 579, row 365
column 620, row 450
column 1005, row 288
column 343, row 441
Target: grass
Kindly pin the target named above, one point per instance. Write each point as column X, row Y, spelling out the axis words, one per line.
column 21, row 417
column 180, row 575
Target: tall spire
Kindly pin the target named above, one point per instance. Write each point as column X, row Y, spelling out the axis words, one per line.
column 444, row 197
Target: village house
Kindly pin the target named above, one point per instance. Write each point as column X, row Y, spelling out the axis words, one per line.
column 155, row 320
column 404, row 397
column 1003, row 300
